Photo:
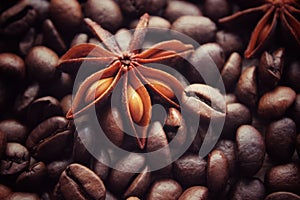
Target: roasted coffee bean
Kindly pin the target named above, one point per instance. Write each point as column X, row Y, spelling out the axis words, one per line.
column 41, row 62
column 295, row 110
column 207, row 102
column 248, row 189
column 200, row 28
column 23, row 196
column 12, row 66
column 230, row 42
column 14, row 160
column 2, row 142
column 174, row 10
column 66, row 15
column 282, row 196
column 79, row 182
column 164, row 189
column 154, row 22
column 280, row 139
column 107, row 13
column 190, row 170
column 64, row 82
column 55, row 168
column 195, row 193
column 27, row 42
column 216, row 9
column 4, row 93
column 139, row 7
column 298, row 145
column 229, row 149
column 246, row 90
column 292, row 75
column 231, row 71
column 4, row 191
column 49, row 139
column 100, row 165
column 250, row 150
column 283, row 178
column 14, row 130
column 110, row 196
column 66, row 103
column 274, row 104
column 80, row 38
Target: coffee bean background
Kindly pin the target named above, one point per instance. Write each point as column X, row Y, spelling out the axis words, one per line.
column 43, row 155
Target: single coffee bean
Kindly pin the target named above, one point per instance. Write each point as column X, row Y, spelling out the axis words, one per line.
column 229, row 149
column 4, row 191
column 274, row 104
column 41, row 62
column 246, row 90
column 216, row 9
column 107, row 13
column 23, row 196
column 11, row 66
column 2, row 142
column 250, row 150
column 139, row 7
column 231, row 71
column 79, row 182
column 174, row 10
column 280, row 139
column 283, row 178
column 200, row 28
column 41, row 7
column 248, row 189
column 15, row 159
column 282, row 196
column 55, row 168
column 80, row 38
column 195, row 193
column 292, row 75
column 14, row 130
column 190, row 170
column 100, row 165
column 230, row 42
column 164, row 189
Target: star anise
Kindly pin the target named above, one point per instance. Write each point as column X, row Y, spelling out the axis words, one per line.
column 137, row 79
column 276, row 17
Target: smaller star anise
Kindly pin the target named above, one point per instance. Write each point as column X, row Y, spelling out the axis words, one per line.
column 276, row 17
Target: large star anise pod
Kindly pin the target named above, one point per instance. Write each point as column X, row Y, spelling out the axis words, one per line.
column 275, row 17
column 137, row 79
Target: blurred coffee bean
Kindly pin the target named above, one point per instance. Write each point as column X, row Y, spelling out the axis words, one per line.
column 164, row 189
column 174, row 10
column 79, row 38
column 195, row 193
column 282, row 196
column 295, row 110
column 14, row 130
column 14, row 160
column 231, row 98
column 280, row 139
column 110, row 196
column 274, row 104
column 4, row 191
column 55, row 168
column 230, row 42
column 23, row 196
column 107, row 13
column 41, row 7
column 283, row 178
column 66, row 15
column 32, row 179
column 237, row 114
column 41, row 62
column 139, row 7
column 11, row 66
column 79, row 182
column 3, row 141
column 229, row 149
column 50, row 139
column 250, row 150
column 4, row 93
column 154, row 22
column 231, row 71
column 200, row 28
column 27, row 42
column 216, row 9
column 190, row 170
column 248, row 189
column 292, row 75
column 100, row 165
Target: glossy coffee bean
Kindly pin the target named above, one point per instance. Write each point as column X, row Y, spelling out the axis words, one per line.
column 79, row 182
column 23, row 196
column 283, row 178
column 250, row 150
column 174, row 10
column 231, row 70
column 282, row 196
column 230, row 42
column 280, row 139
column 14, row 130
column 4, row 191
column 164, row 189
column 274, row 104
column 229, row 149
column 12, row 66
column 248, row 189
column 195, row 193
column 216, row 9
column 200, row 28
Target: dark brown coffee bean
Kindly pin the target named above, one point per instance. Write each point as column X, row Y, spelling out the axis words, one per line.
column 174, row 10
column 229, row 149
column 246, row 90
column 4, row 191
column 55, row 168
column 139, row 7
column 274, row 104
column 190, row 170
column 248, row 189
column 205, row 101
column 41, row 62
column 27, row 42
column 107, row 13
column 4, row 93
column 110, row 196
column 231, row 71
column 230, row 42
column 23, row 196
column 65, row 14
column 14, row 160
column 79, row 182
column 292, row 75
column 49, row 139
column 80, row 38
column 216, row 9
column 164, row 189
column 11, row 66
column 195, row 193
column 282, row 196
column 250, row 149
column 283, row 178
column 295, row 110
column 280, row 139
column 65, row 84
column 201, row 29
column 100, row 165
column 14, row 130
column 2, row 142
